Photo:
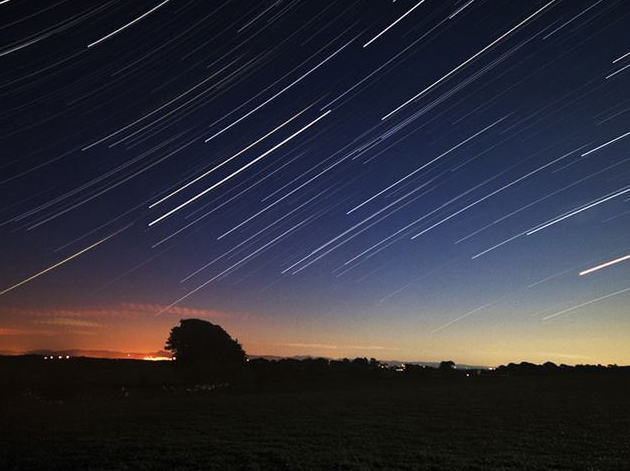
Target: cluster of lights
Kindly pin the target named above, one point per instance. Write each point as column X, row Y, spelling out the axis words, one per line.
column 149, row 358
column 60, row 357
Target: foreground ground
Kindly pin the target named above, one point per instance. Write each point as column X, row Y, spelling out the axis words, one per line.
column 541, row 423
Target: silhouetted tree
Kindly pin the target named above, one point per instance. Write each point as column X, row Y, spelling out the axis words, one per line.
column 204, row 350
column 447, row 365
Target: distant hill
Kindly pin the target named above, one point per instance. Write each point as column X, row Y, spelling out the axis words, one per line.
column 161, row 353
column 91, row 353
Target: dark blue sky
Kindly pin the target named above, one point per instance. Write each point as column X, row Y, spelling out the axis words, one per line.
column 413, row 180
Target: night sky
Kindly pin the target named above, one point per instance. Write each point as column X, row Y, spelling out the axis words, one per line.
column 404, row 180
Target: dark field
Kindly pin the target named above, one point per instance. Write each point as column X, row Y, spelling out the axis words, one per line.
column 476, row 423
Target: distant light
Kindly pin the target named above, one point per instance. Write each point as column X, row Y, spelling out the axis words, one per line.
column 60, row 357
column 45, row 358
column 150, row 358
column 67, row 357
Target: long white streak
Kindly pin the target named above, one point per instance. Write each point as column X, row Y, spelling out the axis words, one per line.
column 529, row 205
column 208, row 213
column 190, row 293
column 571, row 20
column 321, row 247
column 604, row 265
column 621, row 57
column 422, row 218
column 393, row 24
column 245, row 190
column 564, row 311
column 467, row 61
column 258, row 16
column 389, row 61
column 546, row 197
column 151, row 113
column 605, row 144
column 617, row 71
column 267, row 227
column 460, row 9
column 426, row 165
column 577, row 211
column 356, row 234
column 498, row 245
column 535, row 228
column 127, row 25
column 282, row 198
column 244, row 167
column 489, row 195
column 234, row 123
column 194, row 98
column 111, row 186
column 463, row 316
column 227, row 160
column 65, row 260
column 263, row 247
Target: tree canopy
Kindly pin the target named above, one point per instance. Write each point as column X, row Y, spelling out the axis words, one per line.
column 205, row 347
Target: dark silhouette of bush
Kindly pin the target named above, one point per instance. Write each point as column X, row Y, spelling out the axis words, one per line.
column 447, row 365
column 204, row 351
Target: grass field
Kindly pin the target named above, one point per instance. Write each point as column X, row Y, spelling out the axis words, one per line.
column 542, row 423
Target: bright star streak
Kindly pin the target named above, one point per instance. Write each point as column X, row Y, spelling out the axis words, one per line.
column 467, row 61
column 426, row 165
column 266, row 228
column 244, row 167
column 577, row 211
column 65, row 260
column 601, row 298
column 392, row 25
column 190, row 293
column 460, row 9
column 282, row 198
column 505, row 187
column 128, row 24
column 228, row 159
column 320, row 248
column 299, row 79
column 605, row 144
column 571, row 20
column 617, row 71
column 604, row 265
column 621, row 57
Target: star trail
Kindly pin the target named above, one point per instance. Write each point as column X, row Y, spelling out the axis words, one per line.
column 430, row 179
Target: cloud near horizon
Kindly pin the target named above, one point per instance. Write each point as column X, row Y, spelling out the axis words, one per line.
column 6, row 331
column 123, row 310
column 340, row 347
column 47, row 326
column 65, row 321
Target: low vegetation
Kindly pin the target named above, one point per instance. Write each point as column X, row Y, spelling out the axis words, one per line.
column 311, row 414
